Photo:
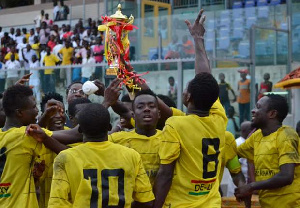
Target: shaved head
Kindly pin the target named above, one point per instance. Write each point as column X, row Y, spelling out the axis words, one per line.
column 246, row 128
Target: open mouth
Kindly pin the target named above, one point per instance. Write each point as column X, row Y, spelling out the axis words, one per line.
column 147, row 118
column 58, row 123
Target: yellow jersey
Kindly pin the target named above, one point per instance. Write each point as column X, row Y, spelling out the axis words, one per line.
column 46, row 179
column 17, row 155
column 8, row 55
column 99, row 174
column 147, row 147
column 50, row 60
column 195, row 144
column 229, row 156
column 67, row 54
column 269, row 153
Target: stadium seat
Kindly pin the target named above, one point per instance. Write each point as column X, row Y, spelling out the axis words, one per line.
column 296, row 46
column 263, row 12
column 210, row 34
column 224, row 43
column 237, row 4
column 262, row 3
column 209, row 44
column 250, row 21
column 250, row 3
column 275, row 2
column 250, row 12
column 225, row 14
column 238, row 33
column 224, row 32
column 211, row 24
column 224, row 22
column 237, row 13
column 238, row 23
column 244, row 49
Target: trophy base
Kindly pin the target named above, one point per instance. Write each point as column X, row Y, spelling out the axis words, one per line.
column 111, row 73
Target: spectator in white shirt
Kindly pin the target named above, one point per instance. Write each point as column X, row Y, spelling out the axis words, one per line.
column 56, row 10
column 31, row 37
column 20, row 47
column 12, row 67
column 39, row 19
column 12, row 33
column 57, row 48
column 246, row 129
column 18, row 36
column 27, row 54
column 87, row 71
column 35, row 77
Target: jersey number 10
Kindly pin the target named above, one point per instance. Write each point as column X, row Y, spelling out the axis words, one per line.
column 105, row 174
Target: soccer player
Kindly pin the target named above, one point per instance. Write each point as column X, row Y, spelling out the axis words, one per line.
column 99, row 173
column 57, row 121
column 274, row 148
column 144, row 138
column 195, row 182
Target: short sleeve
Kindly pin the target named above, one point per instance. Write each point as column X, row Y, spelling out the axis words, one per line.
column 177, row 112
column 169, row 149
column 218, row 112
column 234, row 165
column 60, row 187
column 246, row 150
column 229, row 86
column 230, row 150
column 288, row 147
column 142, row 189
column 56, row 58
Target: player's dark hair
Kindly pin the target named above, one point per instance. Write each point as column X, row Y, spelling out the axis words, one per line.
column 204, row 91
column 278, row 103
column 69, row 87
column 94, row 119
column 298, row 126
column 15, row 97
column 73, row 103
column 1, row 95
column 167, row 100
column 126, row 98
column 49, row 96
column 144, row 92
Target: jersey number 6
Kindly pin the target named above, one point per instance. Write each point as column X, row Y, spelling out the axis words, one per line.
column 215, row 143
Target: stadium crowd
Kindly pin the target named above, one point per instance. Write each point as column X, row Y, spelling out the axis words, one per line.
column 157, row 156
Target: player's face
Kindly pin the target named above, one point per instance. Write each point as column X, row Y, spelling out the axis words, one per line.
column 57, row 121
column 260, row 113
column 185, row 96
column 29, row 113
column 146, row 111
column 75, row 92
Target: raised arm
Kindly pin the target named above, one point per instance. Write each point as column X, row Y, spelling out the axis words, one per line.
column 197, row 31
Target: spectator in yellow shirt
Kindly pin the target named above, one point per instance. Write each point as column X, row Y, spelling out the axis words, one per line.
column 12, row 51
column 49, row 78
column 67, row 57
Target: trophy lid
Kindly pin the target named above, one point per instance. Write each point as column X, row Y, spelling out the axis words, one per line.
column 118, row 14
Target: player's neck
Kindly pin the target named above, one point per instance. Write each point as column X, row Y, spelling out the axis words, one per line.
column 145, row 132
column 270, row 128
column 192, row 110
column 11, row 123
column 97, row 138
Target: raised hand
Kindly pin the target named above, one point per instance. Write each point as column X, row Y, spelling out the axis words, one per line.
column 112, row 93
column 24, row 79
column 100, row 86
column 197, row 29
column 36, row 132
